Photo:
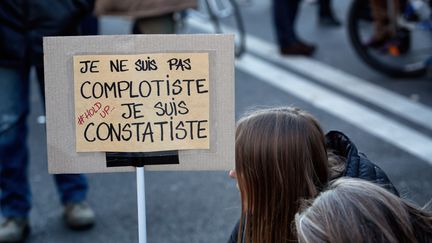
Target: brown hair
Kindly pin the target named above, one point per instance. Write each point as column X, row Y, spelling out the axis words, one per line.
column 354, row 210
column 280, row 159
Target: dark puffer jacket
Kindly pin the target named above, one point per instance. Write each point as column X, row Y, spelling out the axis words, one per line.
column 23, row 23
column 357, row 165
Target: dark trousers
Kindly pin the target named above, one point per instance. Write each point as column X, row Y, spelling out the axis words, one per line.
column 325, row 8
column 284, row 16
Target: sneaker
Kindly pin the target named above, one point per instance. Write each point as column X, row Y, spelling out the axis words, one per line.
column 14, row 230
column 298, row 48
column 78, row 216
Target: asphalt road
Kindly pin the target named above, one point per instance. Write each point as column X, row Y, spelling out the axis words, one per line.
column 203, row 206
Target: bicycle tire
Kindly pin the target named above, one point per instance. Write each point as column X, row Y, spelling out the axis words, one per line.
column 354, row 16
column 240, row 45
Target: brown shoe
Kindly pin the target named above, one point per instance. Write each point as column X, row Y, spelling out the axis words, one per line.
column 298, row 48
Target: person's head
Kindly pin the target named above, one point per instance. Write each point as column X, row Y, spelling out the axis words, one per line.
column 280, row 159
column 354, row 210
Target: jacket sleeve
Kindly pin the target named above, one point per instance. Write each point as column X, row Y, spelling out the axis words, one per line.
column 373, row 173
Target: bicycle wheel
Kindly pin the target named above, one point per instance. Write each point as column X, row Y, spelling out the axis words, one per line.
column 405, row 55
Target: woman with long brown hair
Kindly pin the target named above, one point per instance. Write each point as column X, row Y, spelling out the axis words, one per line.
column 354, row 210
column 282, row 157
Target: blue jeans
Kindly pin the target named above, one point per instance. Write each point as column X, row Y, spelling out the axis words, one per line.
column 15, row 199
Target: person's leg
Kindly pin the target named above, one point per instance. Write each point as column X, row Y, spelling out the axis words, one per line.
column 382, row 30
column 90, row 25
column 284, row 16
column 41, row 83
column 15, row 199
column 325, row 14
column 324, row 8
column 72, row 188
column 77, row 214
column 163, row 24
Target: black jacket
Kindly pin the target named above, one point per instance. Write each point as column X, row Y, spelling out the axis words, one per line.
column 357, row 166
column 23, row 23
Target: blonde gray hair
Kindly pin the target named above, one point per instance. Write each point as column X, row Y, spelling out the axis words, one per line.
column 353, row 210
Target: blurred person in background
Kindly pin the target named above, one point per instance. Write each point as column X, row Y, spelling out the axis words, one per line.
column 23, row 23
column 353, row 210
column 150, row 16
column 284, row 17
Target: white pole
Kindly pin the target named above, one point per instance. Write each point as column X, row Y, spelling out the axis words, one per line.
column 142, row 231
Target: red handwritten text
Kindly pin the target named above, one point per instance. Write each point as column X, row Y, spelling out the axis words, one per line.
column 89, row 113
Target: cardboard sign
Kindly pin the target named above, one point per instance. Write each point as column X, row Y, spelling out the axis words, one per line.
column 141, row 103
column 105, row 77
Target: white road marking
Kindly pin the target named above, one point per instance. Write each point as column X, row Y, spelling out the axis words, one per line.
column 369, row 120
column 390, row 101
column 381, row 97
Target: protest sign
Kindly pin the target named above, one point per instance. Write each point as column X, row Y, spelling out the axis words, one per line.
column 141, row 103
column 139, row 93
